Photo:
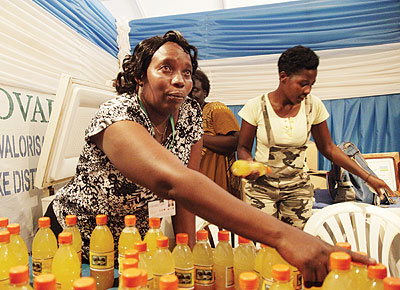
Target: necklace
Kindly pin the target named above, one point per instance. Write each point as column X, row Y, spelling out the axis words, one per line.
column 158, row 131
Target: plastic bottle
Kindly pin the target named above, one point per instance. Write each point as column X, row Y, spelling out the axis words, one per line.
column 44, row 247
column 101, row 252
column 258, row 263
column 391, row 283
column 244, row 167
column 66, row 266
column 243, row 258
column 128, row 263
column 359, row 274
column 144, row 261
column 3, row 223
column 223, row 262
column 7, row 258
column 345, row 245
column 129, row 254
column 184, row 265
column 203, row 263
column 70, row 221
column 144, row 279
column 131, row 279
column 376, row 274
column 128, row 237
column 169, row 282
column 340, row 276
column 17, row 245
column 281, row 275
column 162, row 261
column 19, row 278
column 85, row 283
column 152, row 234
column 45, row 282
column 248, row 281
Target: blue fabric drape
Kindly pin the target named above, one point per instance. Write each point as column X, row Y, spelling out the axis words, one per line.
column 87, row 17
column 371, row 123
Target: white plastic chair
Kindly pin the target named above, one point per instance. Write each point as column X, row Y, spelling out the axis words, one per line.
column 368, row 228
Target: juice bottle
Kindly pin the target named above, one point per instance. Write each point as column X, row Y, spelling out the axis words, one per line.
column 144, row 261
column 281, row 275
column 3, row 223
column 340, row 276
column 128, row 263
column 258, row 263
column 44, row 282
column 70, row 221
column 19, row 278
column 66, row 266
column 203, row 263
column 244, row 167
column 243, row 258
column 17, row 245
column 271, row 257
column 7, row 258
column 143, row 274
column 131, row 279
column 345, row 245
column 248, row 281
column 376, row 274
column 162, row 261
column 44, row 247
column 184, row 265
column 129, row 254
column 101, row 252
column 152, row 234
column 169, row 282
column 359, row 274
column 128, row 237
column 223, row 262
column 391, row 283
column 85, row 283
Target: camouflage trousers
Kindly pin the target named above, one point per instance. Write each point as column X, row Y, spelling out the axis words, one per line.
column 290, row 201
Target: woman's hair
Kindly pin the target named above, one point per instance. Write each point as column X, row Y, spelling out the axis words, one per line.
column 202, row 77
column 296, row 59
column 134, row 67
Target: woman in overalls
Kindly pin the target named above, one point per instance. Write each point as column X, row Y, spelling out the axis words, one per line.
column 282, row 121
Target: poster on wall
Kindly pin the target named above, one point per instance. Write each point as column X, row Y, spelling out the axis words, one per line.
column 24, row 116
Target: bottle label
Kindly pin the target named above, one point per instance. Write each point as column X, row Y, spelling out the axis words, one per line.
column 185, row 277
column 229, row 278
column 204, row 275
column 297, row 280
column 267, row 283
column 101, row 260
column 41, row 266
column 156, row 279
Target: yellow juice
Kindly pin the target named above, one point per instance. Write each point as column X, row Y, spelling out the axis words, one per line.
column 281, row 276
column 162, row 261
column 359, row 274
column 152, row 234
column 101, row 252
column 376, row 274
column 17, row 245
column 144, row 261
column 128, row 237
column 204, row 278
column 340, row 276
column 184, row 265
column 72, row 228
column 258, row 264
column 223, row 262
column 44, row 247
column 243, row 258
column 7, row 258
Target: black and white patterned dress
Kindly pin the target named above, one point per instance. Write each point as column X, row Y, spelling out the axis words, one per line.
column 99, row 188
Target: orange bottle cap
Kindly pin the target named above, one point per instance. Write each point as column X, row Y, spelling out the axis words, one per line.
column 3, row 222
column 143, row 274
column 14, row 229
column 345, row 245
column 223, row 236
column 132, row 253
column 340, row 261
column 360, row 264
column 168, row 282
column 101, row 219
column 182, row 238
column 378, row 271
column 202, row 235
column 264, row 246
column 243, row 240
column 162, row 242
column 248, row 281
column 45, row 282
column 84, row 283
column 131, row 278
column 130, row 220
column 140, row 246
column 4, row 236
column 129, row 263
column 70, row 220
column 44, row 222
column 281, row 272
column 65, row 238
column 154, row 222
column 391, row 283
column 19, row 274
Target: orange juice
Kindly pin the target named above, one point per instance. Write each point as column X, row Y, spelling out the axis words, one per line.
column 340, row 276
column 128, row 237
column 223, row 262
column 7, row 258
column 17, row 245
column 376, row 274
column 162, row 261
column 72, row 228
column 152, row 234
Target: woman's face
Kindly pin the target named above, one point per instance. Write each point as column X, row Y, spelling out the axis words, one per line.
column 298, row 86
column 168, row 79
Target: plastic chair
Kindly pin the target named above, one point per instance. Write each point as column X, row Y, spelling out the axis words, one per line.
column 368, row 228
